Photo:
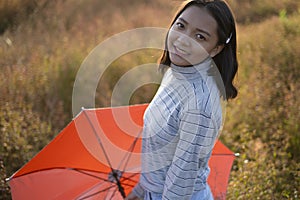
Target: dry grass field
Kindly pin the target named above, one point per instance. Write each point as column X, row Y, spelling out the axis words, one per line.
column 43, row 43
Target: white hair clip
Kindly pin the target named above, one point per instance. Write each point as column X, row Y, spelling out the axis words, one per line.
column 228, row 39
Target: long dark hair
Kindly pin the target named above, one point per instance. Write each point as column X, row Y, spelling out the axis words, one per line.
column 226, row 60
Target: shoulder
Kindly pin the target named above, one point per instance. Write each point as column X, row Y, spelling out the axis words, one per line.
column 203, row 100
column 196, row 95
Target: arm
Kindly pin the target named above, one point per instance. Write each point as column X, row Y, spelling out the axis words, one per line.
column 137, row 193
column 132, row 196
column 197, row 137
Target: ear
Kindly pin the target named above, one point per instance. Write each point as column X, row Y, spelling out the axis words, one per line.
column 216, row 50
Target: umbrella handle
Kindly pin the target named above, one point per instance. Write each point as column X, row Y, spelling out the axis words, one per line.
column 121, row 189
column 116, row 174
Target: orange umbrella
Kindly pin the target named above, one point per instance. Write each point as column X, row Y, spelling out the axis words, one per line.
column 97, row 156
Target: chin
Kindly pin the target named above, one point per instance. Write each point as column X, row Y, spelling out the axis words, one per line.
column 176, row 60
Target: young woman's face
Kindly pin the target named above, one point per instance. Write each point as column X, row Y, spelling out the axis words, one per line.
column 193, row 37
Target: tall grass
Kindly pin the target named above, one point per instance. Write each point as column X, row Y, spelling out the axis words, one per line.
column 249, row 11
column 41, row 51
column 265, row 119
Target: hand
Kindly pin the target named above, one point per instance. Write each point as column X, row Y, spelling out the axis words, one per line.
column 132, row 196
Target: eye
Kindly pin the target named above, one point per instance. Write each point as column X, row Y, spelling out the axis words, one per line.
column 180, row 25
column 200, row 37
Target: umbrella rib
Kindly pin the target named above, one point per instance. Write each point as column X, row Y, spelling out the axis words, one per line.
column 128, row 154
column 88, row 196
column 94, row 176
column 108, row 193
column 129, row 178
column 89, row 190
column 124, row 178
column 114, row 192
column 129, row 185
column 98, row 139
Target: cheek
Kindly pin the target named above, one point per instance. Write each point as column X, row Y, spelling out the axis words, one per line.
column 171, row 38
column 199, row 50
column 199, row 54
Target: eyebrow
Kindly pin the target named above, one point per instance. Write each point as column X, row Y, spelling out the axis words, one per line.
column 198, row 29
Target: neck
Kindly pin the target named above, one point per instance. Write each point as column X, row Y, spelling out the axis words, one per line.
column 193, row 71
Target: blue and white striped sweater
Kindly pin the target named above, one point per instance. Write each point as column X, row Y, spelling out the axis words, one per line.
column 181, row 125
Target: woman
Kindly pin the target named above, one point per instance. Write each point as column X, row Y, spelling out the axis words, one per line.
column 184, row 118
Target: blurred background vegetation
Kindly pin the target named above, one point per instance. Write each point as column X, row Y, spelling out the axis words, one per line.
column 43, row 43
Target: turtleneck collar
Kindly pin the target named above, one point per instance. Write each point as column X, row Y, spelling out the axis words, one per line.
column 192, row 72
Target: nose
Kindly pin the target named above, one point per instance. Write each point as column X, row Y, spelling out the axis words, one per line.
column 183, row 40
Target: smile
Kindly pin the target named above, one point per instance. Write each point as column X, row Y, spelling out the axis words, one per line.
column 180, row 51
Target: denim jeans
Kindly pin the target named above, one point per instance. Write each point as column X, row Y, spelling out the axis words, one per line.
column 201, row 195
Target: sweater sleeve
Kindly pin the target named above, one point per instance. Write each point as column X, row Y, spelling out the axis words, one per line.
column 139, row 191
column 197, row 135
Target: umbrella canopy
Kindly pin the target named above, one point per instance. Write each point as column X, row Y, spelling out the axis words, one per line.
column 97, row 156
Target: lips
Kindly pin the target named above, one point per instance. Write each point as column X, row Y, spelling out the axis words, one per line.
column 179, row 51
column 179, row 56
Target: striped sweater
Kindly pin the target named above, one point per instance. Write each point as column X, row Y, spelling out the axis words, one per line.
column 181, row 125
